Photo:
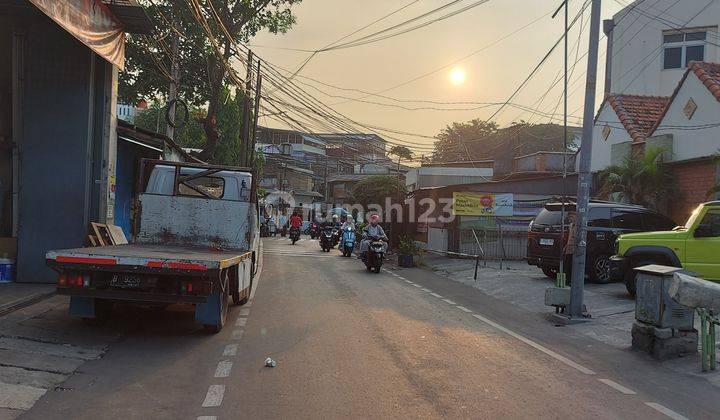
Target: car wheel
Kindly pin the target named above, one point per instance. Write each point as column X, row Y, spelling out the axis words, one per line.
column 600, row 270
column 550, row 272
column 631, row 276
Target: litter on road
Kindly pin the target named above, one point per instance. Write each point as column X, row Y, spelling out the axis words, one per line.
column 269, row 362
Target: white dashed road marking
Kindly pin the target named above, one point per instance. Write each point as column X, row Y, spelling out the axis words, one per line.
column 449, row 301
column 241, row 322
column 668, row 412
column 464, row 309
column 207, row 418
column 617, row 386
column 426, row 290
column 230, row 350
column 214, row 396
column 436, row 295
column 535, row 345
column 244, row 312
column 237, row 334
column 416, row 285
column 223, row 369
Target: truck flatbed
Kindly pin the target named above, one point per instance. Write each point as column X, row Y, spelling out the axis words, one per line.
column 198, row 258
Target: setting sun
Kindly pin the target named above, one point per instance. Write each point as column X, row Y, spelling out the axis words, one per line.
column 457, row 76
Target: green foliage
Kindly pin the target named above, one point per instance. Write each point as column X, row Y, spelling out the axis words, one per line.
column 477, row 139
column 640, row 179
column 189, row 135
column 401, row 152
column 375, row 189
column 407, row 246
column 203, row 61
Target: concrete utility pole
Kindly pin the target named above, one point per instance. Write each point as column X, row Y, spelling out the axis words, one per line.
column 245, row 155
column 169, row 153
column 584, row 175
column 258, row 87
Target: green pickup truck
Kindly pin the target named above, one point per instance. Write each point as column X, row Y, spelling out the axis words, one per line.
column 694, row 246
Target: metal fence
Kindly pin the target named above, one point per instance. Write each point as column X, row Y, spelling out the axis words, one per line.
column 494, row 243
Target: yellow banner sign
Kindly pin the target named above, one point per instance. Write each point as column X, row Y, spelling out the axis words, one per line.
column 467, row 203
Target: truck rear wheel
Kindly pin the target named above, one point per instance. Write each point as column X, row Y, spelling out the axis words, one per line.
column 631, row 276
column 224, row 303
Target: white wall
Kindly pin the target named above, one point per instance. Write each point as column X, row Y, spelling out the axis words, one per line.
column 601, row 147
column 689, row 144
column 637, row 44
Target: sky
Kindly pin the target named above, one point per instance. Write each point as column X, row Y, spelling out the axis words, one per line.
column 490, row 76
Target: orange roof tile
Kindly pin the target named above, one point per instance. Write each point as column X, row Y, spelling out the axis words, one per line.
column 638, row 114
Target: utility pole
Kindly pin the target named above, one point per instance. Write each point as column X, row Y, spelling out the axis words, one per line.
column 584, row 175
column 244, row 159
column 169, row 153
column 258, row 87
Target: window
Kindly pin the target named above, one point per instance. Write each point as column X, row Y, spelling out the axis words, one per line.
column 624, row 219
column 210, row 185
column 711, row 221
column 599, row 217
column 653, row 221
column 682, row 48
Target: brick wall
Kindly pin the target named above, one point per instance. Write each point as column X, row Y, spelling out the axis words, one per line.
column 692, row 181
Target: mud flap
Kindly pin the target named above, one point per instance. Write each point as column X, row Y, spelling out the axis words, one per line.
column 209, row 313
column 82, row 306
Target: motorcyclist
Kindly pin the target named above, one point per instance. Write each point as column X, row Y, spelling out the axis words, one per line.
column 295, row 221
column 347, row 222
column 373, row 229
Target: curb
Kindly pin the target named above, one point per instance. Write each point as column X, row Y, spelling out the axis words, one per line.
column 24, row 302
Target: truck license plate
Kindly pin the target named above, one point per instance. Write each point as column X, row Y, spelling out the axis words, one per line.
column 129, row 281
column 547, row 241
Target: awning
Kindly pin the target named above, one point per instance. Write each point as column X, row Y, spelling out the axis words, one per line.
column 92, row 23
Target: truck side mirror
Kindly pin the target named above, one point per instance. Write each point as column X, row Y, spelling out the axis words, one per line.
column 704, row 230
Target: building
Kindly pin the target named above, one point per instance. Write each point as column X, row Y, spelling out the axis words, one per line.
column 441, row 174
column 650, row 43
column 365, row 147
column 128, row 113
column 58, row 169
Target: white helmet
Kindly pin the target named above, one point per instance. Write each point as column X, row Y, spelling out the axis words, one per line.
column 335, row 217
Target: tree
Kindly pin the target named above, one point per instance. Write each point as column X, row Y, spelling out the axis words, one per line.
column 204, row 58
column 641, row 178
column 401, row 152
column 190, row 134
column 453, row 139
column 376, row 189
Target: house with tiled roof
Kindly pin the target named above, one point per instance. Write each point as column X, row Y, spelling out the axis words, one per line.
column 621, row 121
column 686, row 124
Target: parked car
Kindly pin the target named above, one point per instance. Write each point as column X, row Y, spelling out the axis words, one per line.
column 694, row 246
column 606, row 222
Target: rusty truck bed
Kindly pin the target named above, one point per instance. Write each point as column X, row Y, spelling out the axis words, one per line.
column 152, row 257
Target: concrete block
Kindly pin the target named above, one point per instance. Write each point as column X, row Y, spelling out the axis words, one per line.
column 557, row 296
column 663, row 343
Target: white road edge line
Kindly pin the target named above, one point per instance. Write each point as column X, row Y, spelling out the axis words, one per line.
column 426, row 290
column 668, row 412
column 617, row 386
column 449, row 301
column 207, row 418
column 535, row 345
column 408, row 281
column 214, row 396
column 464, row 309
column 230, row 350
column 401, row 277
column 416, row 285
column 436, row 295
column 223, row 369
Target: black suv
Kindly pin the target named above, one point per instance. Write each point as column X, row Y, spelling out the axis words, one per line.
column 606, row 222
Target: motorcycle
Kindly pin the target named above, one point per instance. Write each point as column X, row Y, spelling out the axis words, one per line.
column 337, row 234
column 348, row 241
column 326, row 238
column 294, row 235
column 375, row 254
column 314, row 231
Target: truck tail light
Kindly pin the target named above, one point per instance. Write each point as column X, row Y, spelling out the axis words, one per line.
column 62, row 280
column 73, row 280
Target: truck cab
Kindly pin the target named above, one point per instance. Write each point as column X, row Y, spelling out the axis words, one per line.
column 694, row 246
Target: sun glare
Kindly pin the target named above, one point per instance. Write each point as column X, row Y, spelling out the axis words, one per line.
column 457, row 76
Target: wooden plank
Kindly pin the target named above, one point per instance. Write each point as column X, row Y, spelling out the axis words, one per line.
column 92, row 240
column 117, row 236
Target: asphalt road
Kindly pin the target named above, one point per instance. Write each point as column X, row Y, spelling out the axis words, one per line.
column 353, row 344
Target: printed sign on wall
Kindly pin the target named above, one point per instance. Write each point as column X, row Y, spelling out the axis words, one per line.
column 468, row 203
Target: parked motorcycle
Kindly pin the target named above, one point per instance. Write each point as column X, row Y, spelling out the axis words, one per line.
column 314, row 231
column 348, row 241
column 294, row 235
column 326, row 238
column 375, row 254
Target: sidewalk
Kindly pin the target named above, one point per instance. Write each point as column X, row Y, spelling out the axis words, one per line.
column 17, row 295
column 523, row 286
